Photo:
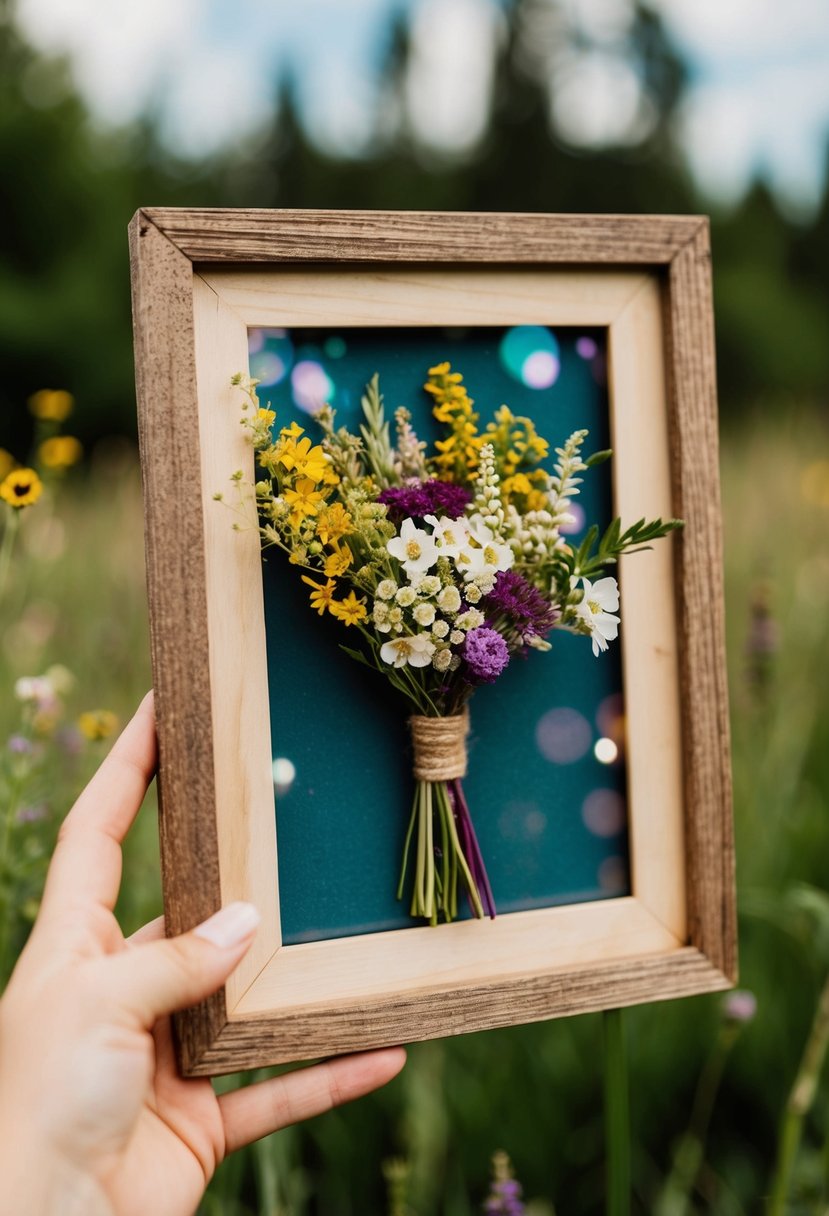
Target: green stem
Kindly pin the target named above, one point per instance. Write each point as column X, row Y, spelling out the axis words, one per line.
column 440, row 791
column 617, row 1115
column 7, row 546
column 406, row 847
column 6, row 901
column 688, row 1156
column 429, row 903
column 799, row 1104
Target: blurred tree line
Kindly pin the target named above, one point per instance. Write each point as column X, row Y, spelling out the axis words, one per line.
column 69, row 189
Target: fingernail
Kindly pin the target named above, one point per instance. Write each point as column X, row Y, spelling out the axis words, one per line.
column 229, row 926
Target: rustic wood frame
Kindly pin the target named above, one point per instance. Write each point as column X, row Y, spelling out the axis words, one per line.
column 199, row 278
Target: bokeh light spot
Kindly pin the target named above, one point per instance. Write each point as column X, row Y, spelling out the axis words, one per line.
column 613, row 876
column 563, row 736
column 814, row 483
column 578, row 520
column 586, row 348
column 312, row 386
column 603, row 812
column 335, row 347
column 531, row 354
column 284, row 774
column 267, row 368
column 605, row 751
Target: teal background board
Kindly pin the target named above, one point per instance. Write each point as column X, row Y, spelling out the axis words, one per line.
column 551, row 819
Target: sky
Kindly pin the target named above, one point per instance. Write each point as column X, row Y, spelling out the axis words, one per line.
column 758, row 102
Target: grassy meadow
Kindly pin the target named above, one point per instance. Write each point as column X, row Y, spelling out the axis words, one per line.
column 76, row 597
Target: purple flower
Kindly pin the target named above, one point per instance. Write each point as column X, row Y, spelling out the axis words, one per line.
column 417, row 499
column 504, row 1198
column 740, row 1006
column 526, row 609
column 486, row 654
column 32, row 814
column 19, row 745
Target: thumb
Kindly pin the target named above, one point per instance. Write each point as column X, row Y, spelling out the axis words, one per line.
column 155, row 978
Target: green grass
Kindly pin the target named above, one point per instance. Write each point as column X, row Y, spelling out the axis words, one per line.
column 77, row 597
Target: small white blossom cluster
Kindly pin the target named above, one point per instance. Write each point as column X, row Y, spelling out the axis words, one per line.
column 430, row 615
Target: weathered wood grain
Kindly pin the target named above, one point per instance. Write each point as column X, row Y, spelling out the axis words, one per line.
column 217, row 235
column 673, row 250
column 162, row 279
column 700, row 597
column 333, row 1029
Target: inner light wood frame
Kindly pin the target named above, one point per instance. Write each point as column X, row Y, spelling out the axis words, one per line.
column 200, row 279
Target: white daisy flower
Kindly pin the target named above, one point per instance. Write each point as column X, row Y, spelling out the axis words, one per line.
column 488, row 556
column 440, row 629
column 450, row 534
column 417, row 651
column 405, row 596
column 596, row 610
column 414, row 548
column 387, row 589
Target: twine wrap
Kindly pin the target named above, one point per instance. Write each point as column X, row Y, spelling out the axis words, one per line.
column 439, row 746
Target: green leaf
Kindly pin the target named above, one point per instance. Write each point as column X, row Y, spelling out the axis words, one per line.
column 598, row 458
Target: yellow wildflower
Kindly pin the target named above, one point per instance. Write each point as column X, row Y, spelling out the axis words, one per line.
column 60, row 452
column 304, row 500
column 266, row 417
column 21, row 488
column 338, row 562
column 458, row 454
column 7, row 463
column 293, row 431
column 350, row 610
column 322, row 594
column 51, row 404
column 334, row 523
column 98, row 724
column 303, row 459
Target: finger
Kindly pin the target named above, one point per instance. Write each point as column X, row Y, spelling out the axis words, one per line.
column 158, row 977
column 86, row 866
column 153, row 931
column 258, row 1110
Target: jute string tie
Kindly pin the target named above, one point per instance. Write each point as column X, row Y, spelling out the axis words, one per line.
column 439, row 746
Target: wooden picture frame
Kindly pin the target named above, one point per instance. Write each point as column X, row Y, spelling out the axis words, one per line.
column 200, row 279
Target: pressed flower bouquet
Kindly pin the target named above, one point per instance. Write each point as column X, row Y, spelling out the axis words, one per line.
column 444, row 567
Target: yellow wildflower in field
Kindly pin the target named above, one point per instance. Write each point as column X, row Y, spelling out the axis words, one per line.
column 333, row 524
column 337, row 563
column 60, row 452
column 97, row 724
column 304, row 500
column 350, row 610
column 322, row 594
column 51, row 404
column 21, row 488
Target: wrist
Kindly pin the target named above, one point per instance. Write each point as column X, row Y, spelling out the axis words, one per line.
column 39, row 1181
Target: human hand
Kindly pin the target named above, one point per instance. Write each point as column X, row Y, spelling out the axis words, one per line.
column 94, row 1118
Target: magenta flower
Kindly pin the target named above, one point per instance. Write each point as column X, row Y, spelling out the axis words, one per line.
column 527, row 611
column 421, row 498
